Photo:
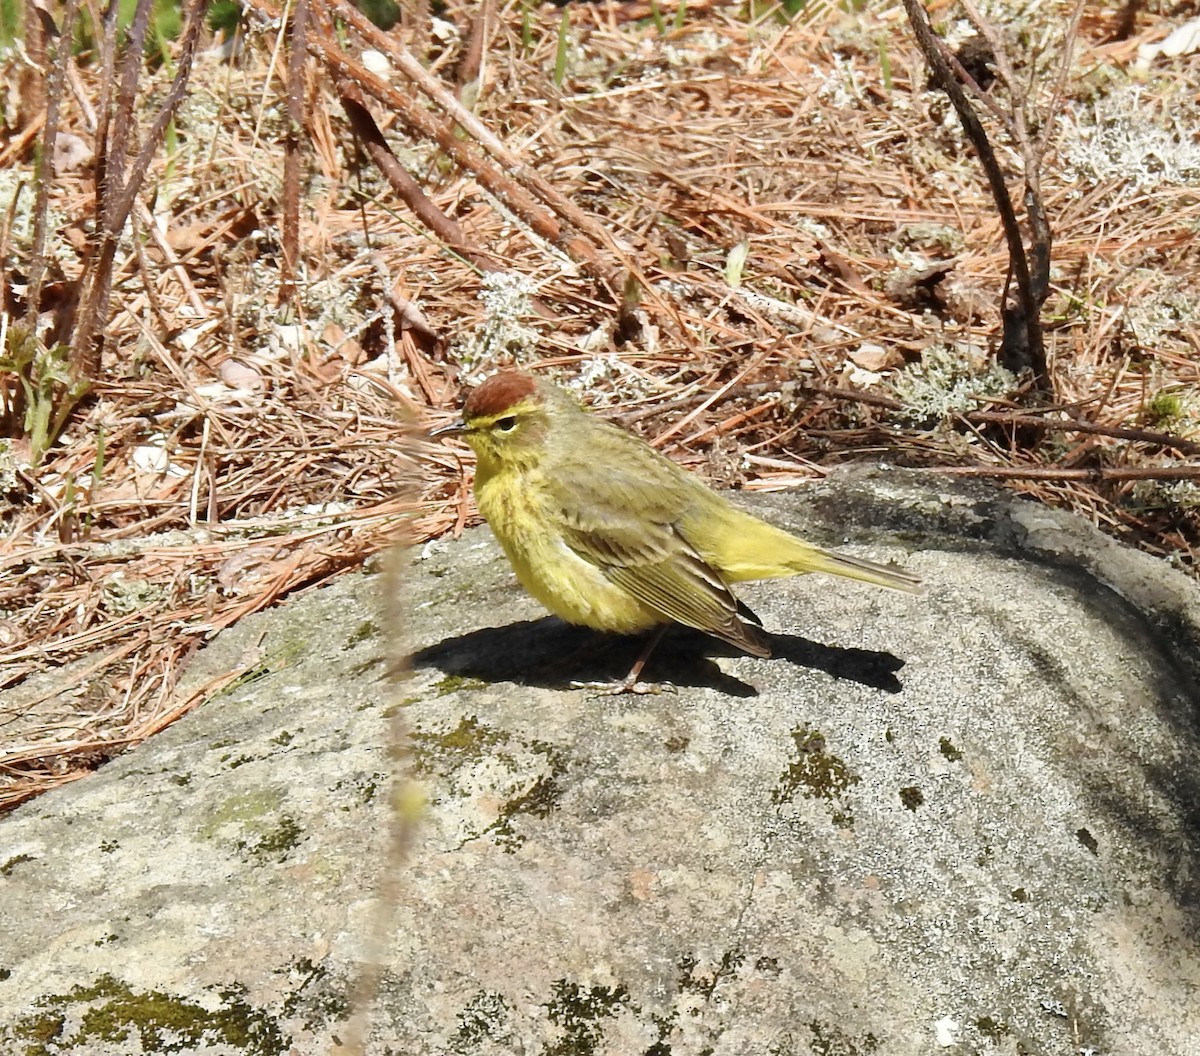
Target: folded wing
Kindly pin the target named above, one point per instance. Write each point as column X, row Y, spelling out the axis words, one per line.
column 629, row 530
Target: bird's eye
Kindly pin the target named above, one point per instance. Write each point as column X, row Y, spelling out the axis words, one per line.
column 506, row 425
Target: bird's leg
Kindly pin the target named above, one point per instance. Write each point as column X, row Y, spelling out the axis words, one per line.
column 631, row 680
column 630, row 683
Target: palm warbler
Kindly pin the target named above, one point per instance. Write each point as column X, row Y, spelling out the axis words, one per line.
column 606, row 532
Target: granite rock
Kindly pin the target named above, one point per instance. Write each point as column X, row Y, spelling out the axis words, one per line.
column 963, row 823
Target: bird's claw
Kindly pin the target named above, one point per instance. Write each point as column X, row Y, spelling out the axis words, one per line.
column 619, row 687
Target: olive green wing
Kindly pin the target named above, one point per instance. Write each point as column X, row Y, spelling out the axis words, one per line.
column 622, row 518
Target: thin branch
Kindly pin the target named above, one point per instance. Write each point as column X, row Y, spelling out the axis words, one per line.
column 1015, row 419
column 104, row 111
column 1022, row 345
column 418, row 18
column 117, row 154
column 477, row 130
column 1077, row 425
column 31, row 89
column 1044, row 136
column 403, row 184
column 45, row 164
column 470, row 67
column 85, row 347
column 499, row 183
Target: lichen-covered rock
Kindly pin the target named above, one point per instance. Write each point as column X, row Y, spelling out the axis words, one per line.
column 964, row 823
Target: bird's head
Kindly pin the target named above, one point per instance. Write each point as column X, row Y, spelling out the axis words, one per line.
column 507, row 420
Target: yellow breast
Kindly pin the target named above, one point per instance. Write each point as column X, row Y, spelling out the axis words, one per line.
column 523, row 520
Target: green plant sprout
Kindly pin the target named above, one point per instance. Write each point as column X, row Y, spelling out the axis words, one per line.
column 49, row 386
column 656, row 14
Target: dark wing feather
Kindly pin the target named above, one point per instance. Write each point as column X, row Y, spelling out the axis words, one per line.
column 690, row 592
column 629, row 531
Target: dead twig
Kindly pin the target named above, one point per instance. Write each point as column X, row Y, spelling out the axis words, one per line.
column 403, row 184
column 45, row 164
column 1017, row 419
column 116, row 193
column 1078, row 425
column 468, row 74
column 1022, row 342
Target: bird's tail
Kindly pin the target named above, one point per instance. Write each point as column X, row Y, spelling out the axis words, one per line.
column 743, row 547
column 835, row 564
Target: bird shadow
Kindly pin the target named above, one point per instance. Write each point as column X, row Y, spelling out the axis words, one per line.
column 550, row 654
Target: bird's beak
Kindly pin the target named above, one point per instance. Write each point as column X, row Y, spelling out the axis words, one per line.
column 453, row 429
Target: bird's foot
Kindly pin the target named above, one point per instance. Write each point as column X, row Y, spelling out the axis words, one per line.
column 620, row 686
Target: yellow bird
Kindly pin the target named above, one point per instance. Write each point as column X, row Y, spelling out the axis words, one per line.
column 606, row 532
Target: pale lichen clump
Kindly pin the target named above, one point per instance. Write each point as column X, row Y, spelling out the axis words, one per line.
column 1166, row 311
column 1177, row 495
column 949, row 380
column 13, row 181
column 120, row 596
column 1125, row 137
column 507, row 301
column 607, row 379
column 9, row 466
column 843, row 86
column 18, row 198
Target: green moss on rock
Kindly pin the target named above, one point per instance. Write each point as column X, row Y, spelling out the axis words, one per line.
column 365, row 631
column 155, row 1021
column 17, row 859
column 468, row 742
column 276, row 844
column 579, row 1012
column 484, row 1018
column 457, row 684
column 254, row 809
column 946, row 747
column 538, row 801
column 831, row 1040
column 816, row 774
